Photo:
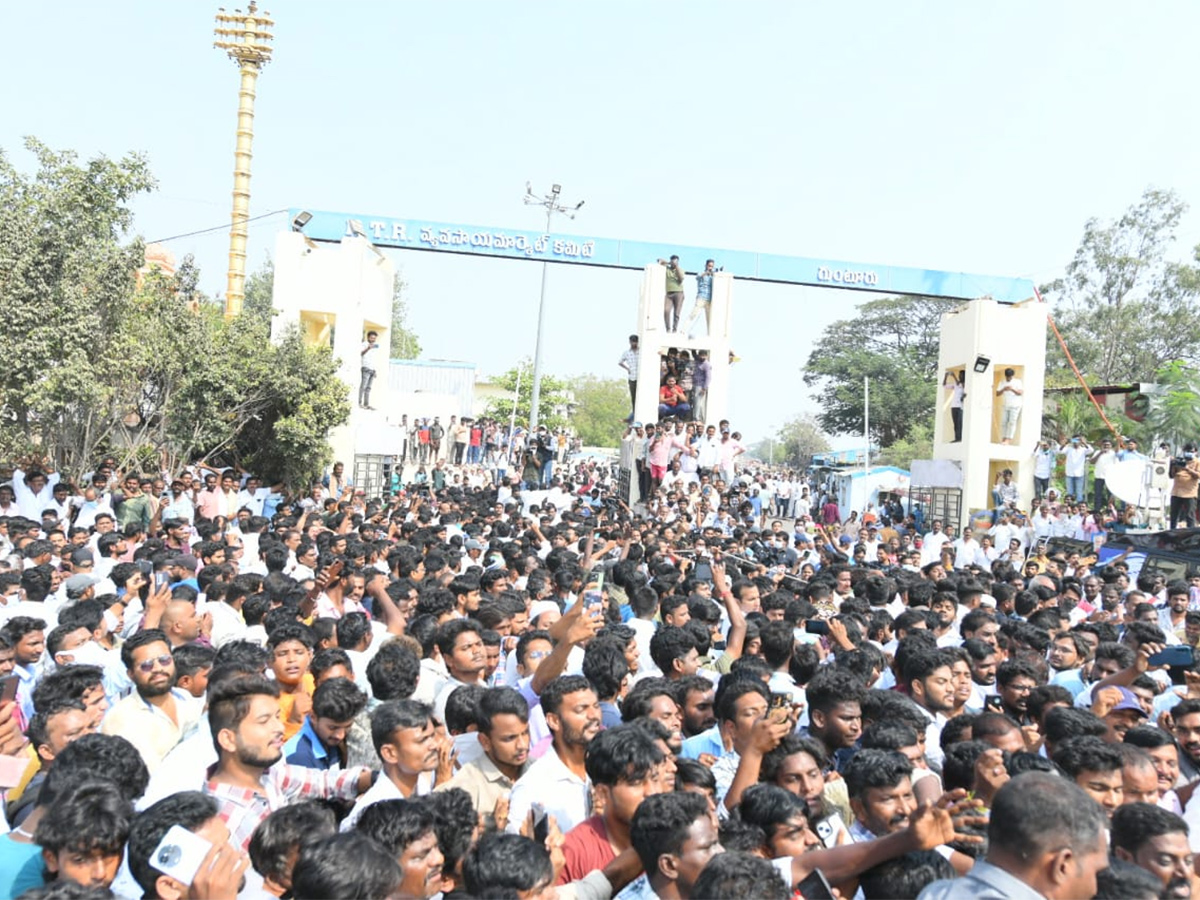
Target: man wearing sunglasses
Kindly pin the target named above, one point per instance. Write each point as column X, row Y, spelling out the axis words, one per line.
column 157, row 715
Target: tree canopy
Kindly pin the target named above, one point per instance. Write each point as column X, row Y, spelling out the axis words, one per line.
column 554, row 404
column 892, row 341
column 795, row 443
column 147, row 370
column 601, row 405
column 1123, row 308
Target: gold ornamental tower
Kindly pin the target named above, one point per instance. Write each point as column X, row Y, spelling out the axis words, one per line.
column 244, row 36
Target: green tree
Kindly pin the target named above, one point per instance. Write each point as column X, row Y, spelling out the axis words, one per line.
column 150, row 372
column 1175, row 409
column 555, row 404
column 893, row 342
column 405, row 344
column 258, row 304
column 1124, row 310
column 917, row 444
column 66, row 283
column 601, row 405
column 794, row 444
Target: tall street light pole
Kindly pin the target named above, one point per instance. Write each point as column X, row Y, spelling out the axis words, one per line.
column 244, row 36
column 551, row 203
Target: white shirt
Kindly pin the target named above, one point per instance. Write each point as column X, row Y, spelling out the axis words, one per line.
column 227, row 624
column 1012, row 400
column 1076, row 464
column 184, row 768
column 556, row 789
column 385, row 789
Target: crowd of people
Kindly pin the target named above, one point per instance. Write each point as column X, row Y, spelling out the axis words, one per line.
column 210, row 688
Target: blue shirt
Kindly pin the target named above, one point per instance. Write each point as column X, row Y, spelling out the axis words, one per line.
column 704, row 286
column 306, row 749
column 705, row 742
column 21, row 867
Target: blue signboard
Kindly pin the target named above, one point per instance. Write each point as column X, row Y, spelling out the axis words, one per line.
column 420, row 234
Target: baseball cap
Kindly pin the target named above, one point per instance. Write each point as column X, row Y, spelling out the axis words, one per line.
column 188, row 562
column 845, row 539
column 1129, row 700
column 77, row 584
column 473, row 544
column 82, row 555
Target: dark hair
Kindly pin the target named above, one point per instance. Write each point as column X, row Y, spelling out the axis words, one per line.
column 449, row 632
column 958, row 766
column 904, row 877
column 777, row 640
column 351, row 629
column 1086, row 754
column 768, row 806
column 107, row 756
column 350, row 866
column 393, row 672
column 192, row 658
column 1046, row 695
column 553, row 694
column 291, row 631
column 528, row 638
column 286, row 829
column 605, row 667
column 875, row 769
column 454, row 822
column 395, row 824
column 1036, row 812
column 93, row 815
column 731, row 691
column 67, row 684
column 247, row 655
column 1011, row 669
column 1148, row 737
column 188, row 809
column 462, row 707
column 669, row 644
column 338, row 700
column 1126, row 881
column 229, row 702
column 1135, row 823
column 740, row 876
column 388, row 717
column 497, row 702
column 660, row 825
column 624, row 753
column 328, row 658
column 695, row 773
column 506, row 861
column 888, row 735
column 141, row 639
column 833, row 686
column 1065, row 722
column 790, row 746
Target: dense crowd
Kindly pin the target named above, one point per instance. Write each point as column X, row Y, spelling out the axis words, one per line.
column 511, row 688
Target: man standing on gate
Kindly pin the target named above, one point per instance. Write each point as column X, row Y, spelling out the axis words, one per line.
column 629, row 362
column 704, row 286
column 673, row 302
column 370, row 353
column 1013, row 392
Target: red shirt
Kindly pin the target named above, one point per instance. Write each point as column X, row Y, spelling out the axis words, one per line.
column 586, row 849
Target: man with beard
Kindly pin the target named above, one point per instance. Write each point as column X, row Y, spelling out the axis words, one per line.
column 881, row 796
column 1015, row 678
column 1068, row 652
column 503, row 721
column 654, row 698
column 930, row 682
column 249, row 780
column 1185, row 725
column 558, row 784
column 407, row 741
column 695, row 696
column 1157, row 841
column 157, row 715
column 981, row 657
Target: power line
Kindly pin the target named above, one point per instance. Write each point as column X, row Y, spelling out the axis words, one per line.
column 176, row 237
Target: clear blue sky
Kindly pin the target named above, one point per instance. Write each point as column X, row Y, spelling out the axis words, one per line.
column 940, row 135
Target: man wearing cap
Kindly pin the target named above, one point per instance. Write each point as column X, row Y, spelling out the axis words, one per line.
column 1120, row 709
column 629, row 362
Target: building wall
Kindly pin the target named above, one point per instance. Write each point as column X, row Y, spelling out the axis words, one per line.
column 336, row 293
column 1010, row 336
column 654, row 340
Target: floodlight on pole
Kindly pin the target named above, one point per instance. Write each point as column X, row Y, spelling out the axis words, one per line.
column 551, row 204
column 245, row 38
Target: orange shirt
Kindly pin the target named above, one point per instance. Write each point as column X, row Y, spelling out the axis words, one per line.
column 287, row 701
